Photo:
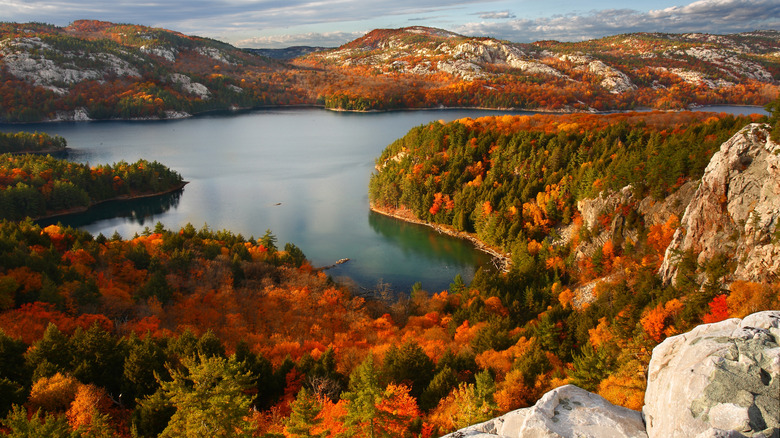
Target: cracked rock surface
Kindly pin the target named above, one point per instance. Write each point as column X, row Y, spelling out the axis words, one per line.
column 719, row 379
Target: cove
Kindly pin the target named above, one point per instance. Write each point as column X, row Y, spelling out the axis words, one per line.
column 302, row 173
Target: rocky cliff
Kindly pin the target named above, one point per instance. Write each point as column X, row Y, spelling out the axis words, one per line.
column 735, row 210
column 718, row 380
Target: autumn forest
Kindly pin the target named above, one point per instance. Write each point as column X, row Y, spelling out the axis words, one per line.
column 206, row 332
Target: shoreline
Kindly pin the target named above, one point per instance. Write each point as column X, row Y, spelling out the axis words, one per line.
column 237, row 110
column 121, row 198
column 501, row 261
column 38, row 152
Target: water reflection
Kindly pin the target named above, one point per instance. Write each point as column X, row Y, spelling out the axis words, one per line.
column 424, row 241
column 143, row 212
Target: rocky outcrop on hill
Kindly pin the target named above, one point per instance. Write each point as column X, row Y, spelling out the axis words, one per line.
column 735, row 210
column 26, row 58
column 423, row 51
column 718, row 380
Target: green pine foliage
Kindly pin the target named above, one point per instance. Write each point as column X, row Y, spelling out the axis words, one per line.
column 363, row 395
column 37, row 425
column 209, row 398
column 303, row 415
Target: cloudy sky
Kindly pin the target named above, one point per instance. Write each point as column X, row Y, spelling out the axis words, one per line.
column 283, row 23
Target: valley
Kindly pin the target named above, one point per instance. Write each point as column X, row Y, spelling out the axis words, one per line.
column 616, row 230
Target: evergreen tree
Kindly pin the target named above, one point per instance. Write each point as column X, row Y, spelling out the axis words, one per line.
column 440, row 386
column 145, row 358
column 50, row 354
column 363, row 395
column 591, row 367
column 209, row 399
column 409, row 365
column 303, row 417
column 36, row 426
column 97, row 358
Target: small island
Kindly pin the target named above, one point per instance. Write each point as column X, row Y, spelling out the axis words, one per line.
column 40, row 186
column 31, row 143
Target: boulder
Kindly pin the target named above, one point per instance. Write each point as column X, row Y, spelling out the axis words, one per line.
column 567, row 411
column 718, row 380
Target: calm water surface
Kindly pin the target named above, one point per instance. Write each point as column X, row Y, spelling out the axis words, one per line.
column 302, row 173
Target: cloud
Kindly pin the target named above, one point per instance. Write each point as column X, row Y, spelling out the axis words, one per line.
column 321, row 39
column 236, row 21
column 221, row 15
column 502, row 15
column 705, row 16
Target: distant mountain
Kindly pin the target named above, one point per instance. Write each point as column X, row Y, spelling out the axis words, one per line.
column 101, row 70
column 611, row 72
column 287, row 53
column 98, row 70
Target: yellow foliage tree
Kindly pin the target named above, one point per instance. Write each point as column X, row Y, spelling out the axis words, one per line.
column 747, row 297
column 53, row 394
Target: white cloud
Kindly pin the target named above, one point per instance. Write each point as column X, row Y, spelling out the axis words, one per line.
column 502, row 15
column 707, row 16
column 221, row 14
column 236, row 21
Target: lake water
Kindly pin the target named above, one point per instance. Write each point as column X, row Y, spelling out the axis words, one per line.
column 302, row 173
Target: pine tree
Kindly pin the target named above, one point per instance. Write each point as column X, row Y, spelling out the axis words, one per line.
column 303, row 417
column 363, row 395
column 209, row 399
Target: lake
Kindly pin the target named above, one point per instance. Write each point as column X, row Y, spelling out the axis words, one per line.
column 302, row 173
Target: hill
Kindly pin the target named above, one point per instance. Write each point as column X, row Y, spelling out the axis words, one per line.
column 100, row 70
column 437, row 67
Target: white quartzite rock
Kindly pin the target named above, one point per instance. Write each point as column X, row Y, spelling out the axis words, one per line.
column 735, row 210
column 718, row 380
column 568, row 411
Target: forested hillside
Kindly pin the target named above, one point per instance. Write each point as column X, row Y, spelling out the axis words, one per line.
column 100, row 70
column 514, row 179
column 425, row 67
column 172, row 331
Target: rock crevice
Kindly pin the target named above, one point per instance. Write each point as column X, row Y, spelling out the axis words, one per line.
column 735, row 210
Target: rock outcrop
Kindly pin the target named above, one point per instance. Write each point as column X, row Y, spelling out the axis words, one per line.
column 567, row 411
column 719, row 379
column 735, row 210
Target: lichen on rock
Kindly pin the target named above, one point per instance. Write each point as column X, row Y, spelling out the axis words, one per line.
column 717, row 378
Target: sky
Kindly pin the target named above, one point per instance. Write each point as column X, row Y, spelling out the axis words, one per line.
column 330, row 23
